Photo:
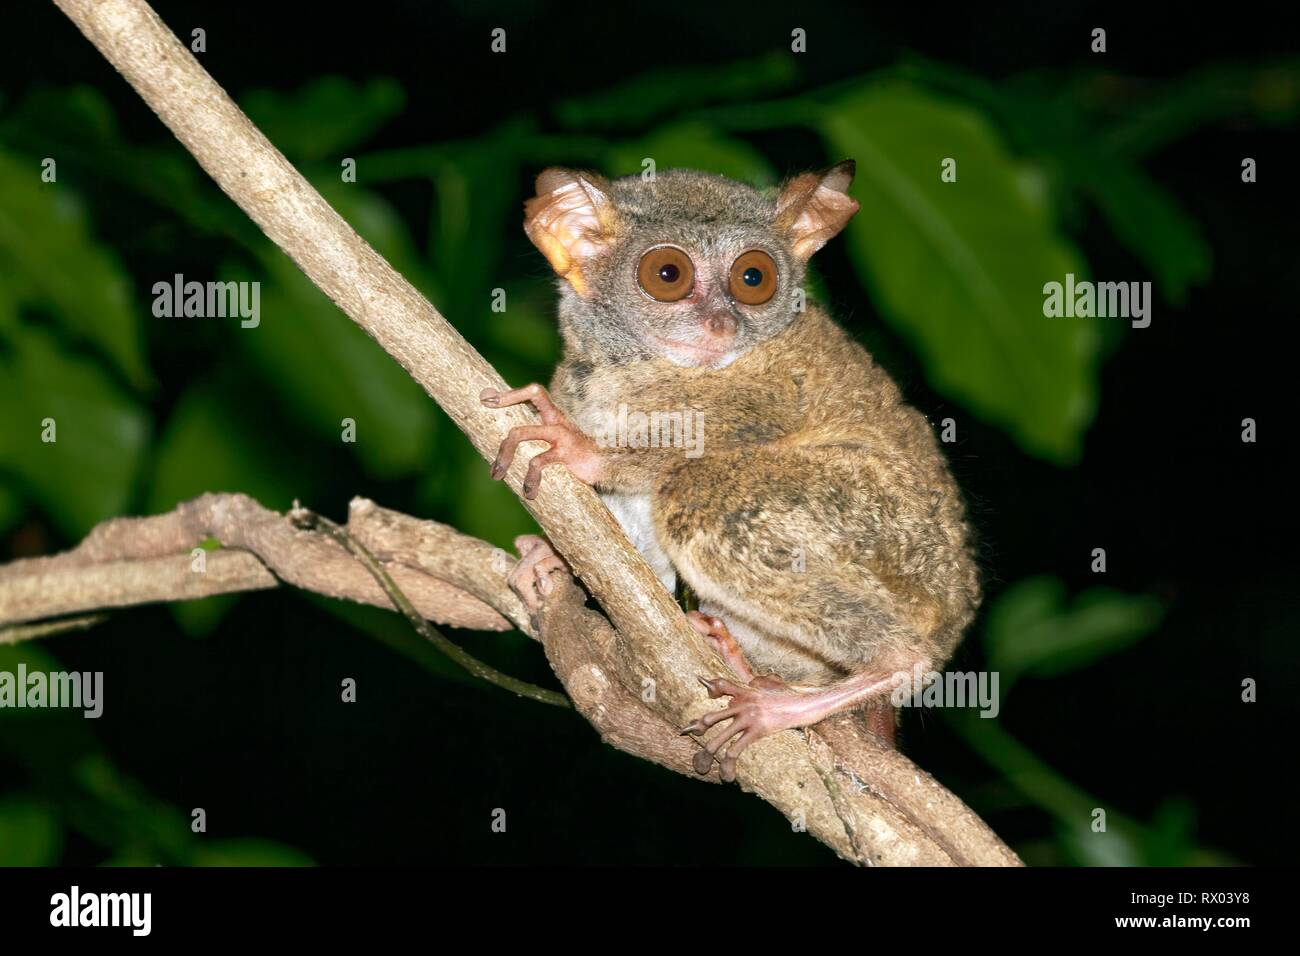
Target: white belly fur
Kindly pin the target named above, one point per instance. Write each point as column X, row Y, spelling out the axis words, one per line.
column 633, row 513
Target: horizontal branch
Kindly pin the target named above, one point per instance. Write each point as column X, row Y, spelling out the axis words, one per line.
column 130, row 561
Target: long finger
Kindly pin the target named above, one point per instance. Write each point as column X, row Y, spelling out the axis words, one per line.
column 702, row 724
column 727, row 766
column 711, row 745
column 520, row 433
column 533, row 477
column 534, row 393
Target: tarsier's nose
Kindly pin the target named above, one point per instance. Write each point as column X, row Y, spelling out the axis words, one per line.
column 720, row 323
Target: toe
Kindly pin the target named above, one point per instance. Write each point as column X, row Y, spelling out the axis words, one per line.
column 721, row 687
column 702, row 762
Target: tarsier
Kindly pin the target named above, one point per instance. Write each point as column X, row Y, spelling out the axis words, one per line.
column 820, row 527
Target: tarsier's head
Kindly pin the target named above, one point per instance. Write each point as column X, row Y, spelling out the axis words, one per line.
column 687, row 266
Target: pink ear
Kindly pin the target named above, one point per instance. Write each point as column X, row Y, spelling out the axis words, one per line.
column 814, row 207
column 571, row 220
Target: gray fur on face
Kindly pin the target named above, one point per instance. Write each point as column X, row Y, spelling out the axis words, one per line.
column 714, row 220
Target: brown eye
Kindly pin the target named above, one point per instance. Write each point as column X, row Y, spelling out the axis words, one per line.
column 666, row 274
column 753, row 278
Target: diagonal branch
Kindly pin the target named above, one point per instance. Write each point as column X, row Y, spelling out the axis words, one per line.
column 652, row 641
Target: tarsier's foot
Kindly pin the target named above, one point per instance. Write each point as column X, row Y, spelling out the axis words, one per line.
column 766, row 706
column 569, row 445
column 754, row 712
column 532, row 578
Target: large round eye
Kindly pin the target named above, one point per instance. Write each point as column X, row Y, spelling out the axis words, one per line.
column 666, row 273
column 753, row 278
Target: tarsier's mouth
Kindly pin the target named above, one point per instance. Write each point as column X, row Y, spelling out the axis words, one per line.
column 694, row 353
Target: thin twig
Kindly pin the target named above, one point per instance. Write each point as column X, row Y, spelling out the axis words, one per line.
column 26, row 632
column 309, row 520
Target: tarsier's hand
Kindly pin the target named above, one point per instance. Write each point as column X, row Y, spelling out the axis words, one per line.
column 569, row 445
column 534, row 577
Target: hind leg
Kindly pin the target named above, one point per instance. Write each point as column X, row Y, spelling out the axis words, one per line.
column 758, row 710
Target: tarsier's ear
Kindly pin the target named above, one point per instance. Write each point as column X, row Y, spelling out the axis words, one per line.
column 570, row 220
column 814, row 207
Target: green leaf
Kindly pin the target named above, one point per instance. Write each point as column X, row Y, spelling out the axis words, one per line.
column 1171, row 840
column 327, row 369
column 959, row 268
column 77, row 125
column 526, row 331
column 1032, row 630
column 9, row 306
column 324, row 116
column 12, row 507
column 1114, row 846
column 56, row 265
column 30, row 655
column 1266, row 90
column 248, row 852
column 80, row 114
column 1146, row 219
column 126, row 816
column 133, row 856
column 207, row 446
column 30, row 834
column 475, row 189
column 482, row 508
column 379, row 224
column 692, row 146
column 202, row 617
column 637, row 102
column 86, row 474
column 1149, row 222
